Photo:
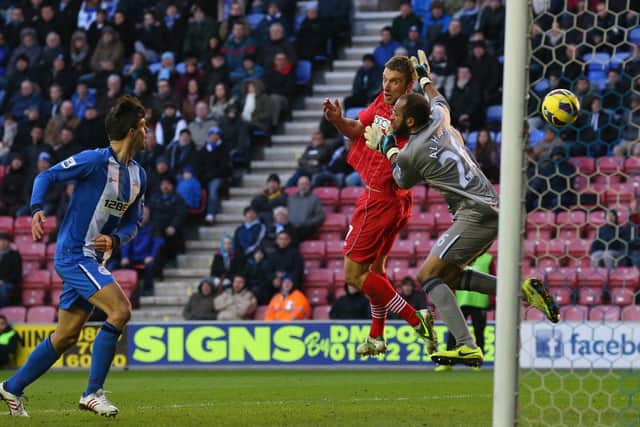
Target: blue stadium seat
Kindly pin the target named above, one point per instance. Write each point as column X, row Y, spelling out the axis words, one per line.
column 254, row 19
column 634, row 35
column 597, row 62
column 501, row 59
column 541, row 87
column 494, row 113
column 497, row 137
column 352, row 113
column 298, row 22
column 535, row 137
column 472, row 140
column 180, row 68
column 303, row 73
column 598, row 78
column 155, row 67
column 618, row 59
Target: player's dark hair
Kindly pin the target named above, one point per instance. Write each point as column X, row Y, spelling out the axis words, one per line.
column 416, row 106
column 403, row 65
column 125, row 115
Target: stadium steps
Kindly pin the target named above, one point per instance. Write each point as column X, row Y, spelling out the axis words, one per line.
column 173, row 292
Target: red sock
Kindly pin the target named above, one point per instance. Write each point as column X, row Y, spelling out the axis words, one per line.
column 380, row 292
column 378, row 317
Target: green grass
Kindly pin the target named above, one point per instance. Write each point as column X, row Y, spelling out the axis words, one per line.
column 318, row 398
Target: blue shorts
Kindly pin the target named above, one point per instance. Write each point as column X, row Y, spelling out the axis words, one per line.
column 81, row 278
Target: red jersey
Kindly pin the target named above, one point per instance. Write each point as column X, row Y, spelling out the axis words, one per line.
column 372, row 166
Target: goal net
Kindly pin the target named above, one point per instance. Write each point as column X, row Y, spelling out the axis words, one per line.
column 581, row 230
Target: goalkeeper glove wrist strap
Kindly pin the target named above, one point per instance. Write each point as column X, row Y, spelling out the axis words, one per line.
column 391, row 152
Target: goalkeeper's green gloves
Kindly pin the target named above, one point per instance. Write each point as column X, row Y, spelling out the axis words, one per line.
column 384, row 144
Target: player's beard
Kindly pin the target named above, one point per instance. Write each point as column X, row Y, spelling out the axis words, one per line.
column 402, row 130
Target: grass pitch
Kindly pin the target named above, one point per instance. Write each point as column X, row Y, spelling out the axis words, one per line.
column 307, row 398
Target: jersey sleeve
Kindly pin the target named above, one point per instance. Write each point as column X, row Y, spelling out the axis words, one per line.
column 78, row 166
column 440, row 111
column 132, row 218
column 367, row 115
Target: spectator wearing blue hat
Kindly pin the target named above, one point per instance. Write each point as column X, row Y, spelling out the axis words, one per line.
column 248, row 236
column 167, row 69
column 82, row 99
column 413, row 42
column 189, row 187
column 387, row 47
column 214, row 152
column 181, row 152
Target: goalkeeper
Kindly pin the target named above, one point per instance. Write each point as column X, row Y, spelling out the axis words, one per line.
column 436, row 154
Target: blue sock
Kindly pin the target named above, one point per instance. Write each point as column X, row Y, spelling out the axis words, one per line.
column 41, row 359
column 104, row 348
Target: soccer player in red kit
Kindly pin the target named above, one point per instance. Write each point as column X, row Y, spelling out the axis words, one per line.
column 380, row 213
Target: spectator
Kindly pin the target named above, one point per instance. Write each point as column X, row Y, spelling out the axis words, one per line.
column 9, row 340
column 339, row 14
column 313, row 36
column 28, row 46
column 93, row 34
column 149, row 37
column 215, row 153
column 596, row 131
column 287, row 258
column 91, row 132
column 466, row 101
column 26, row 99
column 340, row 170
column 630, row 134
column 352, row 305
column 51, row 106
column 33, row 147
column 169, row 213
column 200, row 304
column 238, row 46
column 402, row 23
column 614, row 90
column 54, row 194
column 237, row 303
column 181, row 153
column 468, row 17
column 189, row 187
column 289, row 304
column 10, row 270
column 417, row 299
column 13, row 187
column 214, row 46
column 256, row 109
column 9, row 133
column 155, row 176
column 79, row 54
column 455, row 43
column 387, row 47
column 174, row 28
column 199, row 29
column 167, row 70
column 109, row 54
column 313, row 160
column 270, row 198
column 66, row 118
column 137, row 69
column 236, row 15
column 82, row 99
column 492, row 21
column 226, row 263
column 200, row 126
column 436, row 23
column 48, row 22
column 549, row 142
column 87, row 13
column 278, row 222
column 485, row 68
column 217, row 72
column 487, row 154
column 192, row 72
column 126, row 30
column 306, row 212
column 107, row 100
column 273, row 16
column 50, row 51
column 248, row 236
column 149, row 156
column 441, row 67
column 280, row 81
column 236, row 136
column 143, row 251
column 68, row 145
column 413, row 42
column 23, row 72
column 277, row 43
column 258, row 273
column 610, row 246
column 366, row 84
column 219, row 102
column 191, row 97
column 171, row 125
column 247, row 72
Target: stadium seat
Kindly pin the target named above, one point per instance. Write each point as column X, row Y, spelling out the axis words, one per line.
column 562, row 277
column 56, row 281
column 310, row 264
column 31, row 297
column 318, row 278
column 347, row 210
column 632, row 165
column 562, row 295
column 610, row 165
column 352, row 113
column 422, row 221
column 330, row 236
column 51, row 252
column 338, row 277
column 39, row 279
column 624, row 277
column 321, row 312
column 14, row 314
column 303, row 73
column 35, row 252
column 443, row 218
column 127, row 278
column 584, row 165
column 403, row 249
column 318, row 296
column 6, row 224
column 51, row 224
column 620, row 193
column 335, row 264
column 22, row 239
column 547, row 263
column 529, row 249
column 260, row 312
column 540, row 221
column 29, row 266
column 334, row 249
column 41, row 314
column 574, row 313
column 590, row 276
column 622, row 297
column 631, row 312
column 400, row 273
column 590, row 296
column 349, row 195
column 393, row 263
column 55, row 296
column 494, row 113
column 472, row 140
column 291, row 190
column 22, row 225
column 634, row 36
column 579, row 248
column 570, row 223
column 334, row 222
column 423, row 248
column 314, row 250
column 435, row 198
column 534, row 314
column 339, row 292
column 419, row 194
column 329, row 196
column 555, row 248
column 605, row 313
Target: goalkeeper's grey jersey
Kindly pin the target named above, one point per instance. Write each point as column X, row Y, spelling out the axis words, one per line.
column 436, row 155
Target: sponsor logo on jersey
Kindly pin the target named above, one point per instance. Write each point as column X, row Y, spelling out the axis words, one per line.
column 381, row 122
column 103, row 270
column 66, row 164
column 115, row 207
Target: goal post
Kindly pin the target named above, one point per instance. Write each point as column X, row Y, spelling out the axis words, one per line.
column 505, row 386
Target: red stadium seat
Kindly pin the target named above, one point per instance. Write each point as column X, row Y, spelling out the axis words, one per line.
column 22, row 225
column 622, row 296
column 540, row 220
column 590, row 296
column 41, row 314
column 334, row 249
column 349, row 195
column 291, row 190
column 6, row 224
column 393, row 263
column 573, row 313
column 22, row 239
column 51, row 224
column 400, row 273
column 321, row 312
column 310, row 264
column 632, row 165
column 571, row 220
column 590, row 276
column 534, row 314
column 584, row 165
column 14, row 314
column 335, row 264
column 319, row 278
column 620, row 194
column 423, row 248
column 434, row 198
column 260, row 312
column 444, row 220
column 51, row 251
column 547, row 263
column 562, row 277
column 127, row 278
column 56, row 281
column 29, row 266
column 422, row 221
column 403, row 249
column 338, row 277
column 55, row 296
column 624, row 277
column 318, row 296
column 39, row 279
column 334, row 222
column 35, row 252
column 347, row 210
column 491, row 315
column 339, row 292
column 419, row 194
column 605, row 313
column 631, row 312
column 529, row 248
column 313, row 250
column 31, row 297
column 579, row 248
column 610, row 165
column 330, row 236
column 562, row 295
column 555, row 248
column 329, row 196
